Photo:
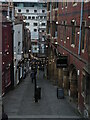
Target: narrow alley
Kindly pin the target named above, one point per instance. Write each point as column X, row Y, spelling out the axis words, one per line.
column 19, row 103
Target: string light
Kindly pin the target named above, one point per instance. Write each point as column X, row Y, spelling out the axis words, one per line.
column 88, row 16
column 7, row 53
column 78, row 33
column 68, row 38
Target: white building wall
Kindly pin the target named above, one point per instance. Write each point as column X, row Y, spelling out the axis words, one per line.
column 35, row 48
column 30, row 22
column 31, row 13
column 18, row 38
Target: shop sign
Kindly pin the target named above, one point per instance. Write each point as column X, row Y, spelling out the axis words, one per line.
column 62, row 62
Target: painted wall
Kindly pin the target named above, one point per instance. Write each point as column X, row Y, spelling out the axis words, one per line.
column 18, row 38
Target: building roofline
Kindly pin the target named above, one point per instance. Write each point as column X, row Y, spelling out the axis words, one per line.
column 35, row 1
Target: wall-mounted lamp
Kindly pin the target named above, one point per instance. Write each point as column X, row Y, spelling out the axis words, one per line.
column 7, row 53
column 29, row 50
column 78, row 33
column 67, row 38
column 73, row 20
column 56, row 43
column 88, row 16
column 57, row 22
column 21, row 51
column 46, row 46
column 78, row 72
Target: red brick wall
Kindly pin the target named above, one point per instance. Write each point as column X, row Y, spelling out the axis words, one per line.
column 6, row 58
column 67, row 14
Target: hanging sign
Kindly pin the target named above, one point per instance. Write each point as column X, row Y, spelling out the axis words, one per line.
column 62, row 62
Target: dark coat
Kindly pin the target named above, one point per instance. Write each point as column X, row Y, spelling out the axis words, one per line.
column 32, row 75
column 4, row 116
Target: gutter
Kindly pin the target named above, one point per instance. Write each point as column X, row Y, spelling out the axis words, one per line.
column 81, row 18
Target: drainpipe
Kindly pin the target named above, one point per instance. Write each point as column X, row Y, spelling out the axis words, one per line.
column 81, row 18
column 8, row 11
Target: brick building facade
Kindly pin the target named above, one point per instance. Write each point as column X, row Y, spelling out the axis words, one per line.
column 68, row 31
column 7, row 55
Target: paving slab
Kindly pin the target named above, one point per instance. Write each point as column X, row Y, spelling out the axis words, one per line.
column 20, row 101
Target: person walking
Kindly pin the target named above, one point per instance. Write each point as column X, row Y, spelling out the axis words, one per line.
column 32, row 75
column 4, row 115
